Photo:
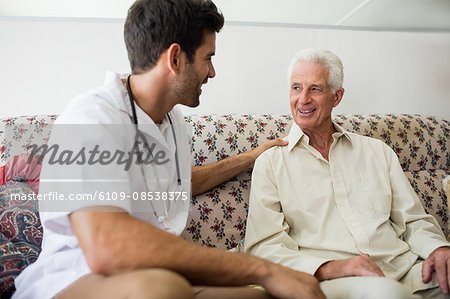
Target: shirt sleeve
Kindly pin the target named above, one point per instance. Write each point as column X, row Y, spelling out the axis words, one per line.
column 73, row 177
column 418, row 229
column 267, row 232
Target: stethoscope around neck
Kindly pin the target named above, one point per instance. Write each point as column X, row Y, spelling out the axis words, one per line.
column 140, row 135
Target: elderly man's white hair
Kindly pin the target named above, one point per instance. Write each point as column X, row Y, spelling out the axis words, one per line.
column 325, row 58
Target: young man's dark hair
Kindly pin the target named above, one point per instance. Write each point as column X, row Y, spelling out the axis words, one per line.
column 153, row 25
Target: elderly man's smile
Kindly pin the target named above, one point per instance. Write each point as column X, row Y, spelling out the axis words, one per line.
column 305, row 112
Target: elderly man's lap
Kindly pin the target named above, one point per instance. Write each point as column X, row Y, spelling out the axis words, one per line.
column 374, row 288
column 365, row 287
column 433, row 293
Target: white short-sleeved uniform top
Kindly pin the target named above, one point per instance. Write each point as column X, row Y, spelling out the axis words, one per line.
column 61, row 261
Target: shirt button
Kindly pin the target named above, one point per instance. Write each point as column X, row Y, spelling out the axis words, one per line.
column 161, row 218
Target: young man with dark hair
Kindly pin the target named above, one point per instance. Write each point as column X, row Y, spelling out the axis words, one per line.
column 112, row 249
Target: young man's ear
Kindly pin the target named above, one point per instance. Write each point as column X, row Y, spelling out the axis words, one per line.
column 338, row 96
column 174, row 58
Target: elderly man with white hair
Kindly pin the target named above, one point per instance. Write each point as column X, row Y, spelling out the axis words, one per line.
column 337, row 205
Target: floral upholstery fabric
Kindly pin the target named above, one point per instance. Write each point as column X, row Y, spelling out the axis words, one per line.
column 18, row 133
column 420, row 142
column 215, row 138
column 431, row 192
column 218, row 217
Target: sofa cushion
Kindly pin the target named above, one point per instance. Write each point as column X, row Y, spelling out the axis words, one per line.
column 430, row 190
column 21, row 233
column 17, row 135
column 21, row 168
column 218, row 217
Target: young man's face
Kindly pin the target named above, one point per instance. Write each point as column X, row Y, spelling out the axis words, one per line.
column 197, row 73
column 311, row 98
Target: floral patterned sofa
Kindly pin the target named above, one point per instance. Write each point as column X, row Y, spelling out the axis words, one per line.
column 218, row 217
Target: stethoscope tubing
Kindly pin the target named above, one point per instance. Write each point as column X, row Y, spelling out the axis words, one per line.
column 137, row 135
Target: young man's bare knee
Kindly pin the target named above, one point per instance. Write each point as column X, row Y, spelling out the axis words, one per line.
column 158, row 283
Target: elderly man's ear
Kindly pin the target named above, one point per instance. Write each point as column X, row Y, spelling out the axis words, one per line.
column 338, row 96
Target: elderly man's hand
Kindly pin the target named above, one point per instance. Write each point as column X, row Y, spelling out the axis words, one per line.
column 439, row 261
column 361, row 265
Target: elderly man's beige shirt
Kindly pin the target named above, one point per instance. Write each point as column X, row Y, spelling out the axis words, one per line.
column 305, row 210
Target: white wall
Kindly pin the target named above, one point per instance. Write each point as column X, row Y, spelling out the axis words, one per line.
column 44, row 62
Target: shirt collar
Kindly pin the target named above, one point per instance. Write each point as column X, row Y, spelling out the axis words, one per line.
column 113, row 83
column 296, row 134
column 114, row 86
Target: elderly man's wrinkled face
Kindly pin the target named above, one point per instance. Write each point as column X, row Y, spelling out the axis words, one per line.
column 311, row 97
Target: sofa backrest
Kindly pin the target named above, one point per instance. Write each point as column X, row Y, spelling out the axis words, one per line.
column 218, row 216
column 215, row 137
column 421, row 142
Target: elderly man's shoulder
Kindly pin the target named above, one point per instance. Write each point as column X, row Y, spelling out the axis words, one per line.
column 363, row 138
column 273, row 154
column 368, row 143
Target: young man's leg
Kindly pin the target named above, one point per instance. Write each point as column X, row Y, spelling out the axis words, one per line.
column 146, row 283
column 230, row 293
column 151, row 283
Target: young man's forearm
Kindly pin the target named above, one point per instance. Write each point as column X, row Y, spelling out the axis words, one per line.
column 209, row 176
column 115, row 242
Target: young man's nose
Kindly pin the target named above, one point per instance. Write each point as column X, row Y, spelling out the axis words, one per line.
column 212, row 71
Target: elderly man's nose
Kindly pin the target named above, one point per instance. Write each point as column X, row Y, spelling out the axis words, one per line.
column 304, row 98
